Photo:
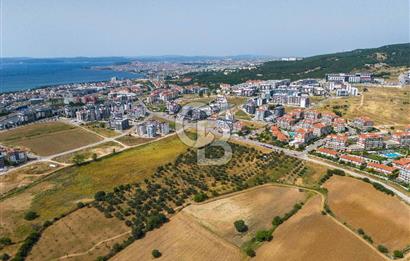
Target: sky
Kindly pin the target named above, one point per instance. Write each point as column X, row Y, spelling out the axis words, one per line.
column 54, row 28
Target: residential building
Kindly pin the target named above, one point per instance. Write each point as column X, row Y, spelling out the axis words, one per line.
column 371, row 141
column 355, row 160
column 403, row 138
column 381, row 168
column 328, row 152
column 404, row 169
column 320, row 129
column 362, row 123
column 337, row 142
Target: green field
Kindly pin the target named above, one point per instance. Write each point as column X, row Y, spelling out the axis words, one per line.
column 49, row 138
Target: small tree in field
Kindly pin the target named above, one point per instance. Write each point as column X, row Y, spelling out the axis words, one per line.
column 240, row 226
column 156, row 253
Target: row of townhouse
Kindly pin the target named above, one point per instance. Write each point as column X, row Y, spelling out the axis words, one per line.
column 357, row 161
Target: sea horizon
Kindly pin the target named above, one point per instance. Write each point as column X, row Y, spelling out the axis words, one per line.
column 21, row 74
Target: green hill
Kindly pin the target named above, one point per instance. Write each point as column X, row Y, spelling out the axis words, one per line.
column 315, row 66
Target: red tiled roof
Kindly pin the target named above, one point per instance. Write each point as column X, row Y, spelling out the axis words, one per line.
column 352, row 158
column 327, row 151
column 381, row 166
column 402, row 162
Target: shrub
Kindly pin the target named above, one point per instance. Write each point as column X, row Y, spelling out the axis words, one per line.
column 263, row 235
column 360, row 231
column 5, row 257
column 100, row 196
column 382, row 249
column 240, row 226
column 250, row 252
column 5, row 241
column 398, row 254
column 199, row 197
column 31, row 215
column 80, row 205
column 155, row 253
column 277, row 221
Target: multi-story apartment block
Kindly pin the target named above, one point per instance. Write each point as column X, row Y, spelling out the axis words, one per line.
column 286, row 122
column 312, row 115
column 337, row 142
column 371, row 141
column 339, row 125
column 363, row 123
column 402, row 138
column 320, row 129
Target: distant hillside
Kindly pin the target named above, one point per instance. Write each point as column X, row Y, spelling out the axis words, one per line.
column 315, row 66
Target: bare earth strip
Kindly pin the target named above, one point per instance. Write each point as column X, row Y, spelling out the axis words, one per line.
column 384, row 218
column 309, row 235
column 181, row 239
column 257, row 207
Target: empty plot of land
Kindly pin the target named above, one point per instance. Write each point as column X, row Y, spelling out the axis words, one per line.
column 394, row 101
column 181, row 239
column 257, row 207
column 25, row 175
column 76, row 233
column 384, row 218
column 100, row 150
column 309, row 235
column 46, row 139
column 130, row 140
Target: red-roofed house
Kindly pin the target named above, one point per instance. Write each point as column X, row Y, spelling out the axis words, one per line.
column 278, row 134
column 404, row 166
column 381, row 168
column 356, row 160
column 327, row 152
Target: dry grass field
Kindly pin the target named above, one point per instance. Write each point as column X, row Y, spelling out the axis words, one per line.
column 384, row 218
column 100, row 150
column 130, row 140
column 25, row 175
column 181, row 239
column 257, row 207
column 46, row 139
column 60, row 192
column 386, row 106
column 311, row 236
column 99, row 128
column 77, row 233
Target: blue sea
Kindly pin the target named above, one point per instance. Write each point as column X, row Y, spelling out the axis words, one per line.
column 26, row 73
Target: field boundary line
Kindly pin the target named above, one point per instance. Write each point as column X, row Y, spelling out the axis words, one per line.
column 95, row 246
